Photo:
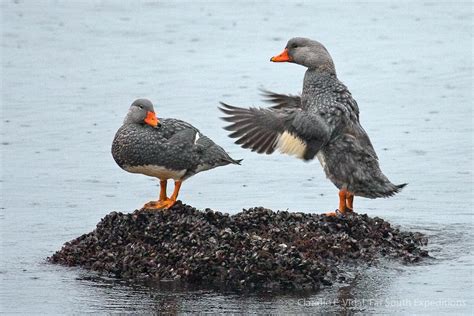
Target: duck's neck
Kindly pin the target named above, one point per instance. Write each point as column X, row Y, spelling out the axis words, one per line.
column 317, row 81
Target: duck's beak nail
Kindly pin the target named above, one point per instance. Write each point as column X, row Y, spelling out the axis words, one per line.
column 151, row 119
column 282, row 57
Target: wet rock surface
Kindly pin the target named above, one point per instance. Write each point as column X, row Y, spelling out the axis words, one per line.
column 257, row 248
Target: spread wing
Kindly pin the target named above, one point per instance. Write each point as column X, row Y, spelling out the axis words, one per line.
column 281, row 101
column 287, row 129
column 255, row 128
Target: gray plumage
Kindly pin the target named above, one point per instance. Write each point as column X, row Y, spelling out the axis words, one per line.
column 323, row 122
column 174, row 149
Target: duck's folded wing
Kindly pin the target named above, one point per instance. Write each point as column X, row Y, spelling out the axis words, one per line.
column 264, row 130
column 281, row 101
column 183, row 137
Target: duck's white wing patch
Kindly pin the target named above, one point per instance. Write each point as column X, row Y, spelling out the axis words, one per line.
column 196, row 138
column 290, row 144
column 157, row 171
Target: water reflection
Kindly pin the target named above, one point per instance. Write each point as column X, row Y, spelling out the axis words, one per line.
column 367, row 285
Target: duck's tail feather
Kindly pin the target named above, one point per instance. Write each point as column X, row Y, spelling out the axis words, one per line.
column 395, row 189
column 237, row 161
column 384, row 191
column 401, row 186
column 233, row 161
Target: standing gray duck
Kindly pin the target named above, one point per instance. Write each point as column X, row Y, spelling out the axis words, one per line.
column 165, row 149
column 323, row 122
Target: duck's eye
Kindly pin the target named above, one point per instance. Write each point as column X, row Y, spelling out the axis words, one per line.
column 140, row 106
column 294, row 45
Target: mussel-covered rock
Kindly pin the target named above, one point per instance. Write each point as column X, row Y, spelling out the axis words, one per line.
column 257, row 248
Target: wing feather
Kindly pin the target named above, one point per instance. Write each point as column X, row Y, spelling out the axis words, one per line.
column 254, row 128
column 281, row 101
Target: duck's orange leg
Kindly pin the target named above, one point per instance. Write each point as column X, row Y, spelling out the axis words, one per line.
column 172, row 200
column 344, row 198
column 163, row 197
column 350, row 201
column 163, row 184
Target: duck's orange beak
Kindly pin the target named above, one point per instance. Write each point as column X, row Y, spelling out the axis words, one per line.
column 151, row 119
column 282, row 57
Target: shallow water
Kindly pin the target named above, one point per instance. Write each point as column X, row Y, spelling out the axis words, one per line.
column 70, row 71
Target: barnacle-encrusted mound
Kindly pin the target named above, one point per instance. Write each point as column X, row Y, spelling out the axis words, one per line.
column 257, row 248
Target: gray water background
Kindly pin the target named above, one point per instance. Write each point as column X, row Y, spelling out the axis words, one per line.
column 71, row 69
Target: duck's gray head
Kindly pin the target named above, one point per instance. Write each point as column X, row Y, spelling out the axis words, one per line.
column 308, row 53
column 141, row 112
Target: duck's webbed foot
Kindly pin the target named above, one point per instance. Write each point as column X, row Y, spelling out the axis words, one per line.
column 160, row 204
column 338, row 213
column 333, row 214
column 150, row 205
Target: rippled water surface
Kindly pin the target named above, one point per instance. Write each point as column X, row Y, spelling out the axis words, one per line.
column 71, row 69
